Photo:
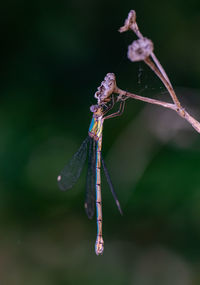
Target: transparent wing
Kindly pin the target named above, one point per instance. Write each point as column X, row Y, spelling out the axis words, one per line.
column 71, row 172
column 111, row 186
column 90, row 185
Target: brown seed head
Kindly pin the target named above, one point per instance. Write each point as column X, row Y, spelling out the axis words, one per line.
column 106, row 88
column 140, row 49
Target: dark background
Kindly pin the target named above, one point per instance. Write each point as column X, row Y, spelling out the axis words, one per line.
column 53, row 57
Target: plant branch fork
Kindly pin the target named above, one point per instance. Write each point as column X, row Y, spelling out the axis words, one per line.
column 142, row 50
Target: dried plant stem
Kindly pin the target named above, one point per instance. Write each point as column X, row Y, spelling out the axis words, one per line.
column 123, row 93
column 165, row 82
column 180, row 111
column 138, row 51
column 142, row 50
column 157, row 62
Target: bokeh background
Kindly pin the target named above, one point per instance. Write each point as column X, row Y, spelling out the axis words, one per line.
column 53, row 57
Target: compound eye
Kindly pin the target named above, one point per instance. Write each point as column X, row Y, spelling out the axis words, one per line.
column 94, row 108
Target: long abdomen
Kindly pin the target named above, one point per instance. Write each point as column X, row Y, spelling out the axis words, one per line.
column 99, row 246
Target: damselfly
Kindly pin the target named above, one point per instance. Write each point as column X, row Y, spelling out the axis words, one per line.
column 71, row 172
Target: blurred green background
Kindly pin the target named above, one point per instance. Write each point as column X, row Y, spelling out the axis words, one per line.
column 53, row 57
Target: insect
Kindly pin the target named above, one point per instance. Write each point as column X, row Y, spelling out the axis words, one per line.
column 71, row 172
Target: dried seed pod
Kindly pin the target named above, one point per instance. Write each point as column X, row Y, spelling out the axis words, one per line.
column 140, row 49
column 106, row 88
column 129, row 22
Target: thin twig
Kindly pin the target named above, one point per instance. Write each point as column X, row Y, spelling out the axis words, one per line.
column 165, row 82
column 157, row 62
column 142, row 49
column 185, row 115
column 123, row 93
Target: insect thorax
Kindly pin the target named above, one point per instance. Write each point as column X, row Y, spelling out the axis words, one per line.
column 95, row 129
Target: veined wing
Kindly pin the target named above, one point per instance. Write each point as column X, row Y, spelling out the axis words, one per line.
column 90, row 184
column 71, row 172
column 111, row 186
